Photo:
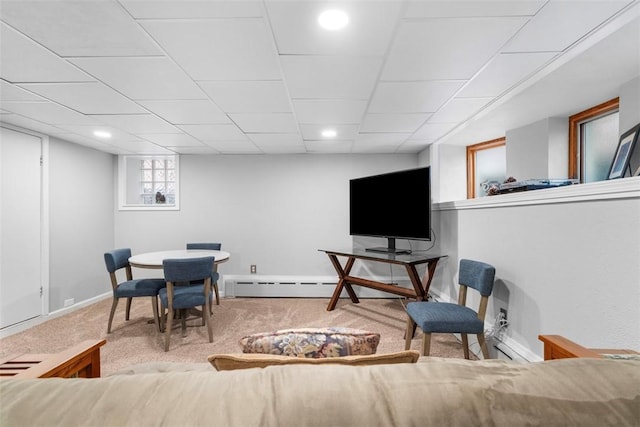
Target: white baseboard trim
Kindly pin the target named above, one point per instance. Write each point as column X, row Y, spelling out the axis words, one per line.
column 27, row 324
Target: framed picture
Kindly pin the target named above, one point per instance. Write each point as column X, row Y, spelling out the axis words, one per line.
column 626, row 145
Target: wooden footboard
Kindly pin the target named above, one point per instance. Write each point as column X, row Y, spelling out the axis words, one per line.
column 82, row 360
column 559, row 347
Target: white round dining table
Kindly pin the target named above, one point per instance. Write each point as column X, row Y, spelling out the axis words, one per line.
column 154, row 259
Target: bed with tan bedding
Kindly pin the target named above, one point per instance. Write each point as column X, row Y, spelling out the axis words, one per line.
column 432, row 392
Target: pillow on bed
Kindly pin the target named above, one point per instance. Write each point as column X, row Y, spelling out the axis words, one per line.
column 312, row 342
column 229, row 362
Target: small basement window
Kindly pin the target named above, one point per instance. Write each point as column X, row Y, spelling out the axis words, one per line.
column 148, row 182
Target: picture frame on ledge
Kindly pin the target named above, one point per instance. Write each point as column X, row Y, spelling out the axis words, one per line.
column 626, row 146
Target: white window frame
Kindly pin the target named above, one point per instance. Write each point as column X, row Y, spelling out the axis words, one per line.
column 124, row 181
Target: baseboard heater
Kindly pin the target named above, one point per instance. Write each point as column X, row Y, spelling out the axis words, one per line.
column 290, row 287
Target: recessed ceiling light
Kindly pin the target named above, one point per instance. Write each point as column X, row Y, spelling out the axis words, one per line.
column 102, row 134
column 333, row 19
column 329, row 133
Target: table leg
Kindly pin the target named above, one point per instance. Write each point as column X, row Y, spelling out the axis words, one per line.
column 342, row 283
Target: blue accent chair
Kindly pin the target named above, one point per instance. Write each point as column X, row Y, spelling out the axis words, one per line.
column 214, row 276
column 130, row 288
column 441, row 317
column 179, row 295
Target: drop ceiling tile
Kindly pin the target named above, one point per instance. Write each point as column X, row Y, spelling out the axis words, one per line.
column 503, row 72
column 27, row 123
column 460, row 8
column 214, row 132
column 86, row 131
column 385, row 123
column 88, row 98
column 205, row 149
column 329, row 111
column 338, row 77
column 432, row 131
column 234, row 147
column 23, row 60
column 369, row 31
column 92, row 143
column 265, row 122
column 142, row 78
column 559, row 24
column 414, row 145
column 187, row 112
column 314, row 132
column 453, row 48
column 412, row 97
column 9, row 92
column 173, row 140
column 162, row 9
column 137, row 123
column 378, row 143
column 224, row 49
column 249, row 96
column 142, row 147
column 333, row 147
column 459, row 109
column 48, row 112
column 106, row 28
column 263, row 139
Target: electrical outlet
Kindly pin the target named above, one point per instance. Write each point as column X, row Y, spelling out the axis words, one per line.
column 253, row 269
column 503, row 311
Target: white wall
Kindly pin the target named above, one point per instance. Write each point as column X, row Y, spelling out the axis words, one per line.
column 273, row 211
column 566, row 267
column 81, row 186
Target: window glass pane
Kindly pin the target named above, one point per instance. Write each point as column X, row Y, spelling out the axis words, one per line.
column 491, row 168
column 158, row 164
column 146, row 175
column 146, row 164
column 599, row 143
column 159, row 175
column 147, row 188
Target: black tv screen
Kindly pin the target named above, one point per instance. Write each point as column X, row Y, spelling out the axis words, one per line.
column 394, row 205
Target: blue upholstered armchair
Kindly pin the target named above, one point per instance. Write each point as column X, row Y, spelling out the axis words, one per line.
column 179, row 295
column 214, row 274
column 442, row 317
column 130, row 288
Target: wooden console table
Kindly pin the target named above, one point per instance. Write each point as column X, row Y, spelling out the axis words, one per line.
column 82, row 361
column 409, row 261
column 559, row 347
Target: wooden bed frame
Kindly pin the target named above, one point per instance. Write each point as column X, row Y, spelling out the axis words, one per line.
column 559, row 347
column 79, row 361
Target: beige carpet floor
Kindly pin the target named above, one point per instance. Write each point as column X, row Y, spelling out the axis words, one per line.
column 137, row 340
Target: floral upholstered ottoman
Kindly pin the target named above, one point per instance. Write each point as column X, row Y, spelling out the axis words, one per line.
column 312, row 342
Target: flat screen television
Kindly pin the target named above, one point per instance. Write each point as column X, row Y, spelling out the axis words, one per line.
column 394, row 205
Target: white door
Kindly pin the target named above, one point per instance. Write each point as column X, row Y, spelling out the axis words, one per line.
column 20, row 227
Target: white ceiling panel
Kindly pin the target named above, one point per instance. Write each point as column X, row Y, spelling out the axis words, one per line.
column 28, row 123
column 214, row 132
column 314, row 132
column 447, row 48
column 142, row 78
column 414, row 145
column 88, row 97
column 219, row 49
column 162, row 9
column 48, row 112
column 333, row 147
column 559, row 24
column 393, row 122
column 503, row 72
column 432, row 131
column 86, row 131
column 105, row 28
column 141, row 147
column 204, row 149
column 343, row 77
column 234, row 147
column 330, row 111
column 173, row 140
column 459, row 109
column 472, row 8
column 92, row 143
column 9, row 92
column 296, row 29
column 23, row 60
column 265, row 122
column 187, row 111
column 378, row 143
column 249, row 96
column 413, row 97
column 137, row 123
column 261, row 139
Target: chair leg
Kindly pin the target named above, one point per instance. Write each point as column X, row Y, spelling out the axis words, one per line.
column 465, row 345
column 156, row 317
column 483, row 346
column 408, row 335
column 207, row 320
column 215, row 289
column 183, row 322
column 167, row 329
column 114, row 304
column 426, row 343
column 128, row 308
